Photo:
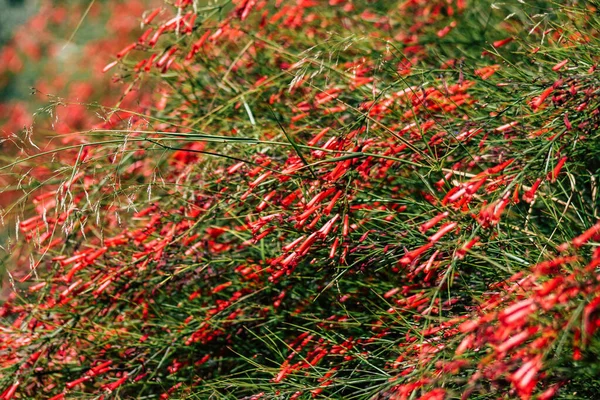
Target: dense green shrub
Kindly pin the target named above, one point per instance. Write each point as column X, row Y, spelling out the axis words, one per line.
column 387, row 200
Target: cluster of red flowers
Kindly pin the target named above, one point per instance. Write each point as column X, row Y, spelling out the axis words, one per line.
column 51, row 70
column 325, row 216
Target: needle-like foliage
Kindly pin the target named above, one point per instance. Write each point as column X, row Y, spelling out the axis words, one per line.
column 319, row 199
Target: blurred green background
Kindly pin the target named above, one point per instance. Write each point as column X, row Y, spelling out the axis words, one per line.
column 12, row 14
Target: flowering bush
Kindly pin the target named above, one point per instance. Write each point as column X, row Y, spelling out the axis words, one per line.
column 335, row 199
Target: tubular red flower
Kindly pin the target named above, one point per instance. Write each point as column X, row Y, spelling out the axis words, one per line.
column 500, row 43
column 501, row 167
column 114, row 385
column 524, row 378
column 324, row 231
column 307, row 243
column 345, row 228
column 109, row 66
column 72, row 384
column 443, row 231
column 293, row 244
column 516, row 340
column 410, row 256
column 462, row 252
column 261, row 178
column 221, row 287
column 517, row 313
column 586, row 236
column 433, row 221
column 334, row 247
column 10, row 392
column 507, row 127
column 96, row 370
column 559, row 65
column 537, row 102
column 554, row 174
column 529, row 195
column 151, row 16
column 318, row 136
column 142, row 39
column 126, row 50
column 333, row 202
